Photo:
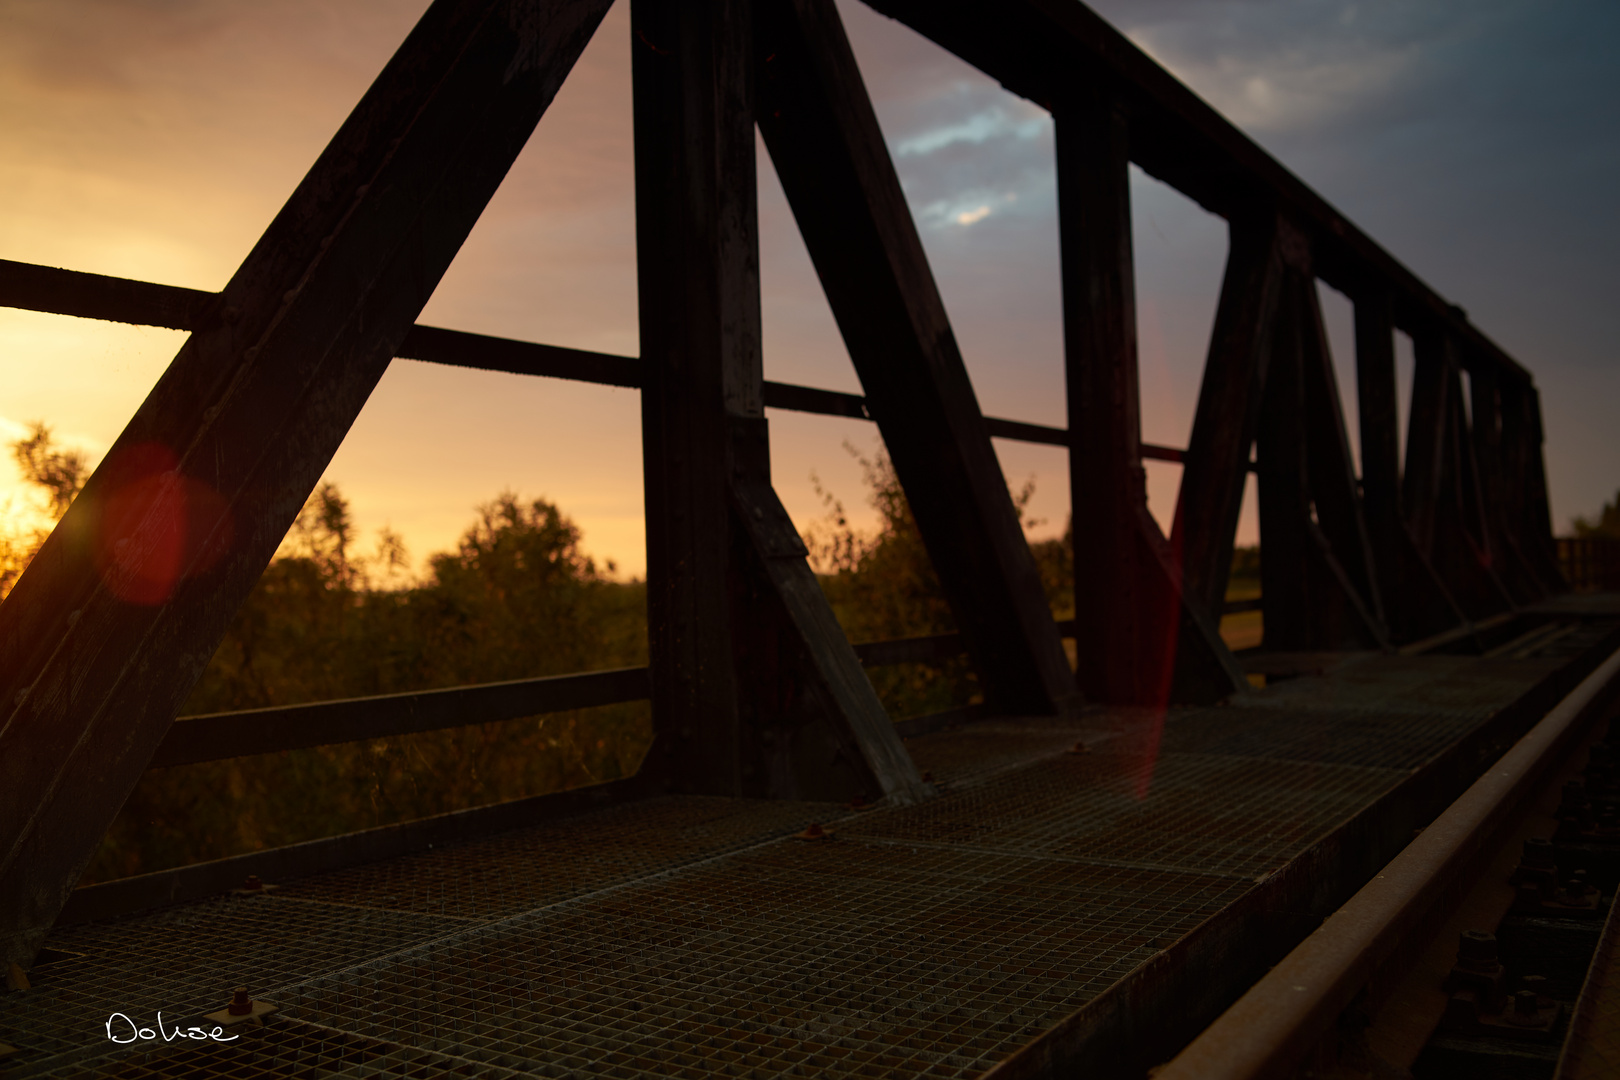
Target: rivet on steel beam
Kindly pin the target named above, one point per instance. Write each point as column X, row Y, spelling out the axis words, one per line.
column 252, row 885
column 241, row 1007
column 1538, row 853
column 1477, row 973
column 1579, row 893
column 1529, row 896
column 1476, row 950
column 1526, row 1009
column 1527, row 1016
column 1536, row 984
column 1536, row 876
column 1462, row 1013
column 814, row 831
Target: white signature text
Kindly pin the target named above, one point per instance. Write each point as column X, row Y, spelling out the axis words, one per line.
column 129, row 1031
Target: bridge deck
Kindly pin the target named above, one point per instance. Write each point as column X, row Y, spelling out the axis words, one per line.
column 697, row 936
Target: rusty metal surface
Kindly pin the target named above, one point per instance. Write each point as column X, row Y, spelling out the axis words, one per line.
column 289, row 1048
column 975, row 749
column 184, row 961
column 1227, row 816
column 1271, row 1030
column 686, row 936
column 534, row 867
column 1394, row 713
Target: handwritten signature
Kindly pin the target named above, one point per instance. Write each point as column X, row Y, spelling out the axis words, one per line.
column 138, row 1033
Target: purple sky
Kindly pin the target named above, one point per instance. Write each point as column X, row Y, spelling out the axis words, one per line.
column 156, row 138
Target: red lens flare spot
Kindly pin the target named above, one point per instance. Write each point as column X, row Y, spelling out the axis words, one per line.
column 157, row 526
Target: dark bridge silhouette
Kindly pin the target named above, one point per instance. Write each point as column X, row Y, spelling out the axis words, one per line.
column 1422, row 600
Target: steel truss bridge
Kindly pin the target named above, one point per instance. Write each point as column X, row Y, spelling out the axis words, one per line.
column 1079, row 876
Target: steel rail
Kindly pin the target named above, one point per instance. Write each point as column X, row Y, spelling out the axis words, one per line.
column 1271, row 1030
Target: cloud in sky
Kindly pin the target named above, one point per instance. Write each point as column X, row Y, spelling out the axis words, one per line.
column 156, row 138
column 1278, row 66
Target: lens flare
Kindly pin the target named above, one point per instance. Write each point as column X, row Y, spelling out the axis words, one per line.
column 157, row 526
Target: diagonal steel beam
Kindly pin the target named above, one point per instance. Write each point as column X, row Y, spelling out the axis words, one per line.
column 1228, row 413
column 1137, row 639
column 1440, row 490
column 1416, row 603
column 1312, row 596
column 828, row 150
column 113, row 622
column 755, row 688
column 1332, row 469
column 1499, row 489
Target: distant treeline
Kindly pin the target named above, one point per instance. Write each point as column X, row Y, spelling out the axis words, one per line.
column 515, row 599
column 1606, row 526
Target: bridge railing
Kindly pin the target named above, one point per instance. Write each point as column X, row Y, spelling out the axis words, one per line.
column 754, row 688
column 1590, row 564
column 248, row 732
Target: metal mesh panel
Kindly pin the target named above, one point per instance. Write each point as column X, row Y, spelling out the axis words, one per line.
column 691, row 936
column 1237, row 817
column 280, row 1048
column 540, row 865
column 1580, row 639
column 836, row 958
column 1374, row 739
column 989, row 746
column 1393, row 712
column 185, row 961
column 1465, row 686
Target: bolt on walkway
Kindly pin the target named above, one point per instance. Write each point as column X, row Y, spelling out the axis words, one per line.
column 689, row 936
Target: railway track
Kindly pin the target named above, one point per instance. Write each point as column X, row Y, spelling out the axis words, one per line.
column 1482, row 950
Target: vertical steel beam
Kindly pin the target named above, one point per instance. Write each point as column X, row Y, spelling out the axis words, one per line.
column 1290, row 604
column 1531, row 519
column 1380, row 437
column 1426, row 432
column 840, row 182
column 1416, row 603
column 755, row 688
column 1134, row 632
column 1444, row 506
column 1217, row 464
column 1538, row 506
column 1314, row 593
column 1499, row 487
column 112, row 624
column 1332, row 472
column 697, row 277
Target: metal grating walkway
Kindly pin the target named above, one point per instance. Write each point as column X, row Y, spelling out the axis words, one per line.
column 697, row 937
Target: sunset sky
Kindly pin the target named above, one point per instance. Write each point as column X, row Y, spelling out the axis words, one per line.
column 1477, row 140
